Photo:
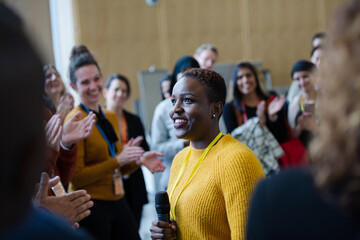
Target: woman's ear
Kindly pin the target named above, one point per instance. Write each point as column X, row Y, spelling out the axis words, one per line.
column 104, row 92
column 217, row 109
column 73, row 86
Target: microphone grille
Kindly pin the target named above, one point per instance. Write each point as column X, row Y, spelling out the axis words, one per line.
column 161, row 198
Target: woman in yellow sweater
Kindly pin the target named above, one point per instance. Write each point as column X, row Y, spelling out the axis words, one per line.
column 211, row 181
column 101, row 160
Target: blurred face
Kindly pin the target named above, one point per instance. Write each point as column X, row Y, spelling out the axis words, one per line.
column 165, row 86
column 89, row 84
column 304, row 80
column 53, row 82
column 117, row 94
column 316, row 57
column 191, row 111
column 246, row 81
column 318, row 41
column 206, row 59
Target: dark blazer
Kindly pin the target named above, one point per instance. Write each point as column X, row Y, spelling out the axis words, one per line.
column 289, row 206
column 134, row 186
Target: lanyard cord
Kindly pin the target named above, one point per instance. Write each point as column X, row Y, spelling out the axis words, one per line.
column 302, row 105
column 172, row 212
column 111, row 146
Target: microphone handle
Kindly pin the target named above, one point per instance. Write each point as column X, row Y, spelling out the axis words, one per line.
column 164, row 217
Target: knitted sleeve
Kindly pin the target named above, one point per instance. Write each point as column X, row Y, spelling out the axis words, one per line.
column 239, row 173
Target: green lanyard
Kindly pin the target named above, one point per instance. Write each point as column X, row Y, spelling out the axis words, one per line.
column 172, row 213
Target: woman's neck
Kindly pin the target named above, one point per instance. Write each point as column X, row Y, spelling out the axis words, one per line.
column 310, row 96
column 206, row 140
column 55, row 99
column 93, row 107
column 251, row 99
column 117, row 109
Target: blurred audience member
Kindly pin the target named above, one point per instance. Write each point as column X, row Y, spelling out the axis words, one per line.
column 22, row 145
column 303, row 109
column 206, row 55
column 318, row 39
column 165, row 86
column 323, row 203
column 116, row 93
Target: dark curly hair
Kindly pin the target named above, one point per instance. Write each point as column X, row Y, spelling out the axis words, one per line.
column 212, row 81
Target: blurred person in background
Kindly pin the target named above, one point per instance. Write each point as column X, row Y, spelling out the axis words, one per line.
column 323, row 203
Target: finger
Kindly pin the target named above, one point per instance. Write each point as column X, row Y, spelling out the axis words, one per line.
column 138, row 140
column 75, row 225
column 55, row 129
column 76, row 117
column 83, row 207
column 44, row 185
column 82, row 215
column 53, row 181
column 130, row 142
column 76, row 194
column 81, row 200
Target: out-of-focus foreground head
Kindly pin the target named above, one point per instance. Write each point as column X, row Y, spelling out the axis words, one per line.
column 21, row 144
column 336, row 151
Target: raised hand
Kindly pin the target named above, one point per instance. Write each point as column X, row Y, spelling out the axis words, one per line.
column 53, row 131
column 75, row 130
column 129, row 154
column 307, row 122
column 135, row 142
column 260, row 113
column 65, row 106
column 152, row 162
column 73, row 206
column 276, row 105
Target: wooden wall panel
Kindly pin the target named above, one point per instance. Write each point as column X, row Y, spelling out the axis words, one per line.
column 128, row 36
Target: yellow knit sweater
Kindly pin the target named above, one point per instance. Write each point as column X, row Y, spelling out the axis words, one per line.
column 95, row 167
column 215, row 203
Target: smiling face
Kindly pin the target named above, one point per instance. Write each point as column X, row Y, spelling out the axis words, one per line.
column 245, row 81
column 89, row 85
column 117, row 94
column 304, row 80
column 53, row 82
column 192, row 110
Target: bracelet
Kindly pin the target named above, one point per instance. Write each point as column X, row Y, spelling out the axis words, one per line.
column 65, row 147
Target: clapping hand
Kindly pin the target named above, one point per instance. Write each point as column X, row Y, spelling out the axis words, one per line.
column 53, row 131
column 260, row 113
column 73, row 206
column 65, row 106
column 152, row 162
column 75, row 130
column 276, row 105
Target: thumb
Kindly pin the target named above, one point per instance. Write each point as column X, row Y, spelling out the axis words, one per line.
column 77, row 116
column 44, row 185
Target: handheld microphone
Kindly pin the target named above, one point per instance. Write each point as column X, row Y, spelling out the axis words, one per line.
column 162, row 206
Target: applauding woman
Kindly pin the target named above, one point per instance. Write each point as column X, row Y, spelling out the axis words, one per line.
column 101, row 160
column 211, row 181
column 117, row 92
